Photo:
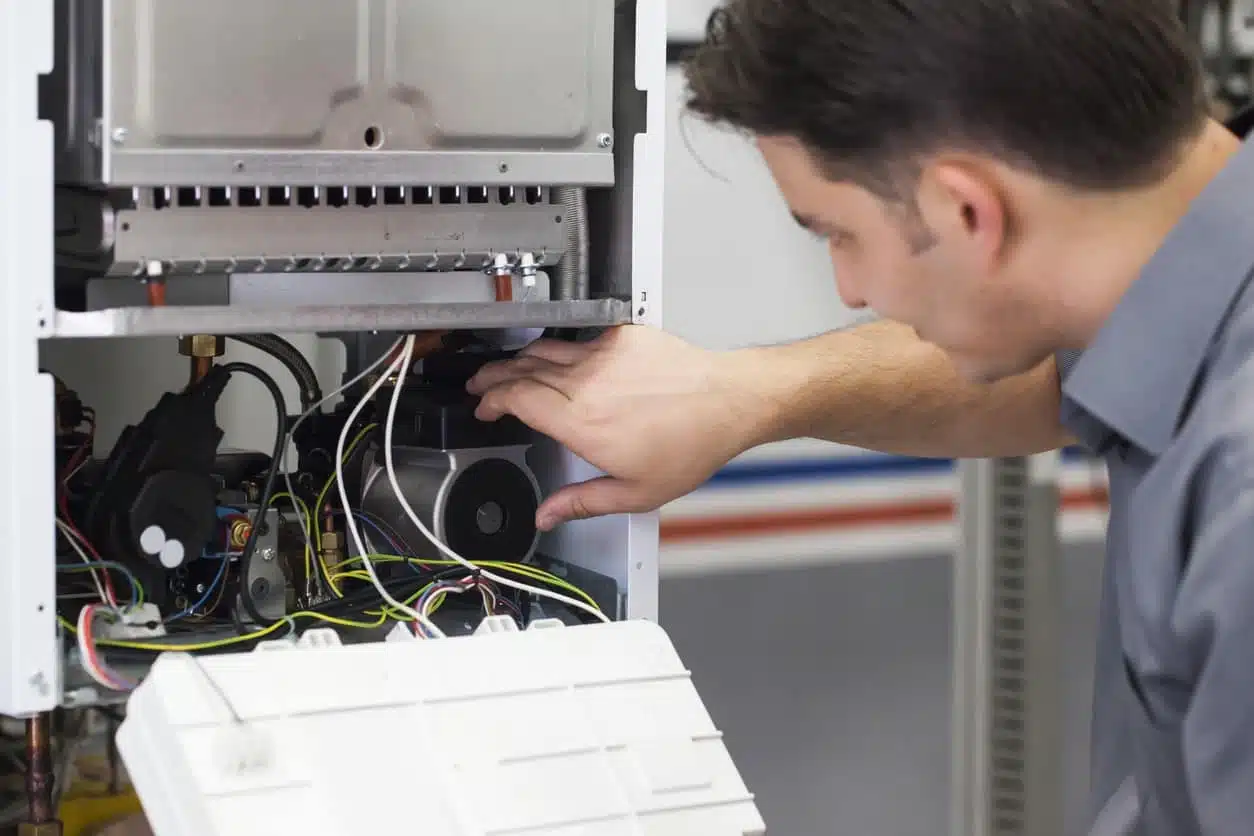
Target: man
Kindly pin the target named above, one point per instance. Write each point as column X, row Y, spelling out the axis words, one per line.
column 1029, row 191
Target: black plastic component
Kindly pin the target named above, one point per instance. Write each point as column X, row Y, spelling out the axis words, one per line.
column 70, row 411
column 160, row 473
column 233, row 467
column 437, row 412
column 491, row 511
column 443, row 419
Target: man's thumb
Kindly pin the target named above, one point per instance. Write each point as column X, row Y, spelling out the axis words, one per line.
column 594, row 498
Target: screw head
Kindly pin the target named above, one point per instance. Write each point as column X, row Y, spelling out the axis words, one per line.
column 119, row 135
column 267, row 554
column 605, row 141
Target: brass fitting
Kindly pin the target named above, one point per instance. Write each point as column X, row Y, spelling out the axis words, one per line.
column 240, row 531
column 331, row 548
column 202, row 346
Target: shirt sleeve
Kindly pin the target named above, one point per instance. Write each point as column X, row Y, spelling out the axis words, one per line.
column 1214, row 615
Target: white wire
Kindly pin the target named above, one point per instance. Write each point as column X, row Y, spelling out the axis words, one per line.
column 72, row 536
column 291, row 433
column 399, row 367
column 417, row 521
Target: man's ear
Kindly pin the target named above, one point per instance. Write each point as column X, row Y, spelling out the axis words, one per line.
column 962, row 204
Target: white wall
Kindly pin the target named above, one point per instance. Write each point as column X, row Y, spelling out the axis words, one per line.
column 738, row 269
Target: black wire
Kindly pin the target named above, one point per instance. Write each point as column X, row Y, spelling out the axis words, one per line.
column 267, row 490
column 291, row 358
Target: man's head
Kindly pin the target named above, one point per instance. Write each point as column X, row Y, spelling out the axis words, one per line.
column 958, row 154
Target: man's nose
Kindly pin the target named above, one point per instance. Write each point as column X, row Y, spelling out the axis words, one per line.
column 847, row 285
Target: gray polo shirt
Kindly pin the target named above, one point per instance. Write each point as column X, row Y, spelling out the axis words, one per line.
column 1165, row 393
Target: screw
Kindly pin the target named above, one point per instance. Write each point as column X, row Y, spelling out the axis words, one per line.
column 605, row 140
column 267, row 554
column 200, row 589
column 119, row 135
column 504, row 167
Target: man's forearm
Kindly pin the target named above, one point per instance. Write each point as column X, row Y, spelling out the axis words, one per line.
column 879, row 387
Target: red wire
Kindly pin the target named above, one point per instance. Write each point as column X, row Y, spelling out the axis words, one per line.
column 63, row 503
column 89, row 642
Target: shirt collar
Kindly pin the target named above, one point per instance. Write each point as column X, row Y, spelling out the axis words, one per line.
column 1135, row 379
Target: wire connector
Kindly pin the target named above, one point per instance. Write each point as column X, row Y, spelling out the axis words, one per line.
column 527, row 269
column 319, row 637
column 496, row 625
column 141, row 622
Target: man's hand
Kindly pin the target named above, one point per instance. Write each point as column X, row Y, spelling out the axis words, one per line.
column 656, row 414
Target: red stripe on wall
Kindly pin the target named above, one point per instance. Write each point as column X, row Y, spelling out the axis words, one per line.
column 810, row 520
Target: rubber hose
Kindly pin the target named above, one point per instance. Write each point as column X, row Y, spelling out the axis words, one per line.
column 291, row 358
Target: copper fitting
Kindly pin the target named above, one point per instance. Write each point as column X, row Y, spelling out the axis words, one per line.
column 330, row 543
column 240, row 531
column 202, row 348
column 202, row 345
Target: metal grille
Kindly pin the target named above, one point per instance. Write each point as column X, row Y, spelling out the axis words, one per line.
column 1008, row 708
column 1007, row 747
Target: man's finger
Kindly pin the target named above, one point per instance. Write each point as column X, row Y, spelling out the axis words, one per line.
column 541, row 407
column 594, row 498
column 562, row 352
column 496, row 374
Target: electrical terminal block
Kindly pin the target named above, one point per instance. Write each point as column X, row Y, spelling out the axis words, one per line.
column 141, row 622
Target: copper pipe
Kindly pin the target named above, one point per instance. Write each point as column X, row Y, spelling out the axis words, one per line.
column 156, row 293
column 428, row 342
column 504, row 287
column 39, row 774
column 201, row 366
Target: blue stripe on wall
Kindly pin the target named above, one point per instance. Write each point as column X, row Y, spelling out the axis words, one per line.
column 838, row 467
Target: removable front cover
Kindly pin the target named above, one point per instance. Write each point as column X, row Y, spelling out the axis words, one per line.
column 566, row 731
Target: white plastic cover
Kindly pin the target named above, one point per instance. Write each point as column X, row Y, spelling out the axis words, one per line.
column 571, row 731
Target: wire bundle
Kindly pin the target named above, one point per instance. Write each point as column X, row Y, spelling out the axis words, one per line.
column 90, row 658
column 401, row 368
column 409, row 599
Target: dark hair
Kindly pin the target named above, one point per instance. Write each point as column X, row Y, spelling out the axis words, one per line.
column 1097, row 94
